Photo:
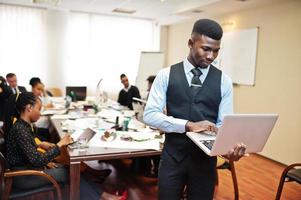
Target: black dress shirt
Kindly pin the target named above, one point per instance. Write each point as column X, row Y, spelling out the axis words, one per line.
column 4, row 95
column 125, row 98
column 21, row 149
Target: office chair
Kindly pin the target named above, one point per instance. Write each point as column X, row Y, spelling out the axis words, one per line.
column 222, row 164
column 7, row 191
column 225, row 164
column 290, row 173
column 54, row 92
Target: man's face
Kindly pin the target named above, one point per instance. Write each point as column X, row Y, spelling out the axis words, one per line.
column 12, row 82
column 125, row 81
column 203, row 50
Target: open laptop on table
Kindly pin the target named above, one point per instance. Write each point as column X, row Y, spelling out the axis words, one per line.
column 84, row 137
column 251, row 129
column 80, row 92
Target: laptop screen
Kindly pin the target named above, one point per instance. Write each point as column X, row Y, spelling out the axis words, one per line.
column 86, row 135
column 80, row 92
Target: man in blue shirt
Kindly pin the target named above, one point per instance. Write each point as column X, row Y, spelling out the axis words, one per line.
column 196, row 96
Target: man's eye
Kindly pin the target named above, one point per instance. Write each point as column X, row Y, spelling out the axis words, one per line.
column 206, row 49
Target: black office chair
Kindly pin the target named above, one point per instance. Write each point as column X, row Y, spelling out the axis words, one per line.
column 290, row 173
column 7, row 191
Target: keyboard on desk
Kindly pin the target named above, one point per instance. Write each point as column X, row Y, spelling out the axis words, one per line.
column 208, row 143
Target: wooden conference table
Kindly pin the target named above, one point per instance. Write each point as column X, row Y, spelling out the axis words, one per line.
column 93, row 153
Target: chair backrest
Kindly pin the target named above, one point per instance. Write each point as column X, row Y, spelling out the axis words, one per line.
column 292, row 174
column 55, row 92
column 295, row 174
column 2, row 170
column 6, row 186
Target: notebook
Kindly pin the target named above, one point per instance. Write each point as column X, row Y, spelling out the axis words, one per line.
column 251, row 129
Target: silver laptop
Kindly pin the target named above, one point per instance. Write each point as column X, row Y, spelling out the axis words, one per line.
column 84, row 137
column 251, row 129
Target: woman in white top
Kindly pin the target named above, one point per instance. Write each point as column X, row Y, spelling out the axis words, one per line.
column 43, row 124
column 38, row 89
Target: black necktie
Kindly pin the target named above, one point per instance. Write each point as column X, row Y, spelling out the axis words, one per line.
column 196, row 83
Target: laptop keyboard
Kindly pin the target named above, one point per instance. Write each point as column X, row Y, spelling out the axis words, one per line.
column 208, row 143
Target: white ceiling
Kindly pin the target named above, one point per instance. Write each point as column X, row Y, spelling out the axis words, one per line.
column 163, row 11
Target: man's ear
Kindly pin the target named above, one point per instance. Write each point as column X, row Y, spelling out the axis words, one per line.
column 190, row 43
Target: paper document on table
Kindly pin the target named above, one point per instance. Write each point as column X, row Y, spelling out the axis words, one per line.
column 60, row 117
column 76, row 134
column 108, row 114
column 53, row 112
column 134, row 124
column 118, row 107
column 129, row 140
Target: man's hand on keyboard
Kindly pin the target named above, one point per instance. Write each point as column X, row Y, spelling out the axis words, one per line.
column 201, row 126
column 209, row 133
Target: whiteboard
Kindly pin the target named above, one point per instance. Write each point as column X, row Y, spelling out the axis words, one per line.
column 150, row 64
column 237, row 57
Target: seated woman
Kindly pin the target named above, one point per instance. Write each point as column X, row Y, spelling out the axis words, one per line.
column 43, row 124
column 38, row 89
column 22, row 153
column 21, row 148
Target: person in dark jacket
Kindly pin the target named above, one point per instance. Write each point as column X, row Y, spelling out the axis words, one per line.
column 126, row 95
column 13, row 83
column 5, row 92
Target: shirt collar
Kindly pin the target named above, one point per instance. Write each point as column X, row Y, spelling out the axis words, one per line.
column 127, row 89
column 188, row 67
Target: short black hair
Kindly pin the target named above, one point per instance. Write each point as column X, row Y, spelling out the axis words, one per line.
column 122, row 76
column 2, row 79
column 10, row 75
column 151, row 79
column 15, row 105
column 208, row 28
column 34, row 81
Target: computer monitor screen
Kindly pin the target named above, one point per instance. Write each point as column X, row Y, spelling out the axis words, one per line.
column 80, row 92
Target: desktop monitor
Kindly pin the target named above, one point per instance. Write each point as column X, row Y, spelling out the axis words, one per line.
column 80, row 92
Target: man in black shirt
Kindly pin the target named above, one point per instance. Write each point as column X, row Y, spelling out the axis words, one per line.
column 126, row 95
column 5, row 92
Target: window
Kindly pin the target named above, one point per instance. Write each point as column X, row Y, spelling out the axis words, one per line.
column 22, row 42
column 71, row 48
column 105, row 47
